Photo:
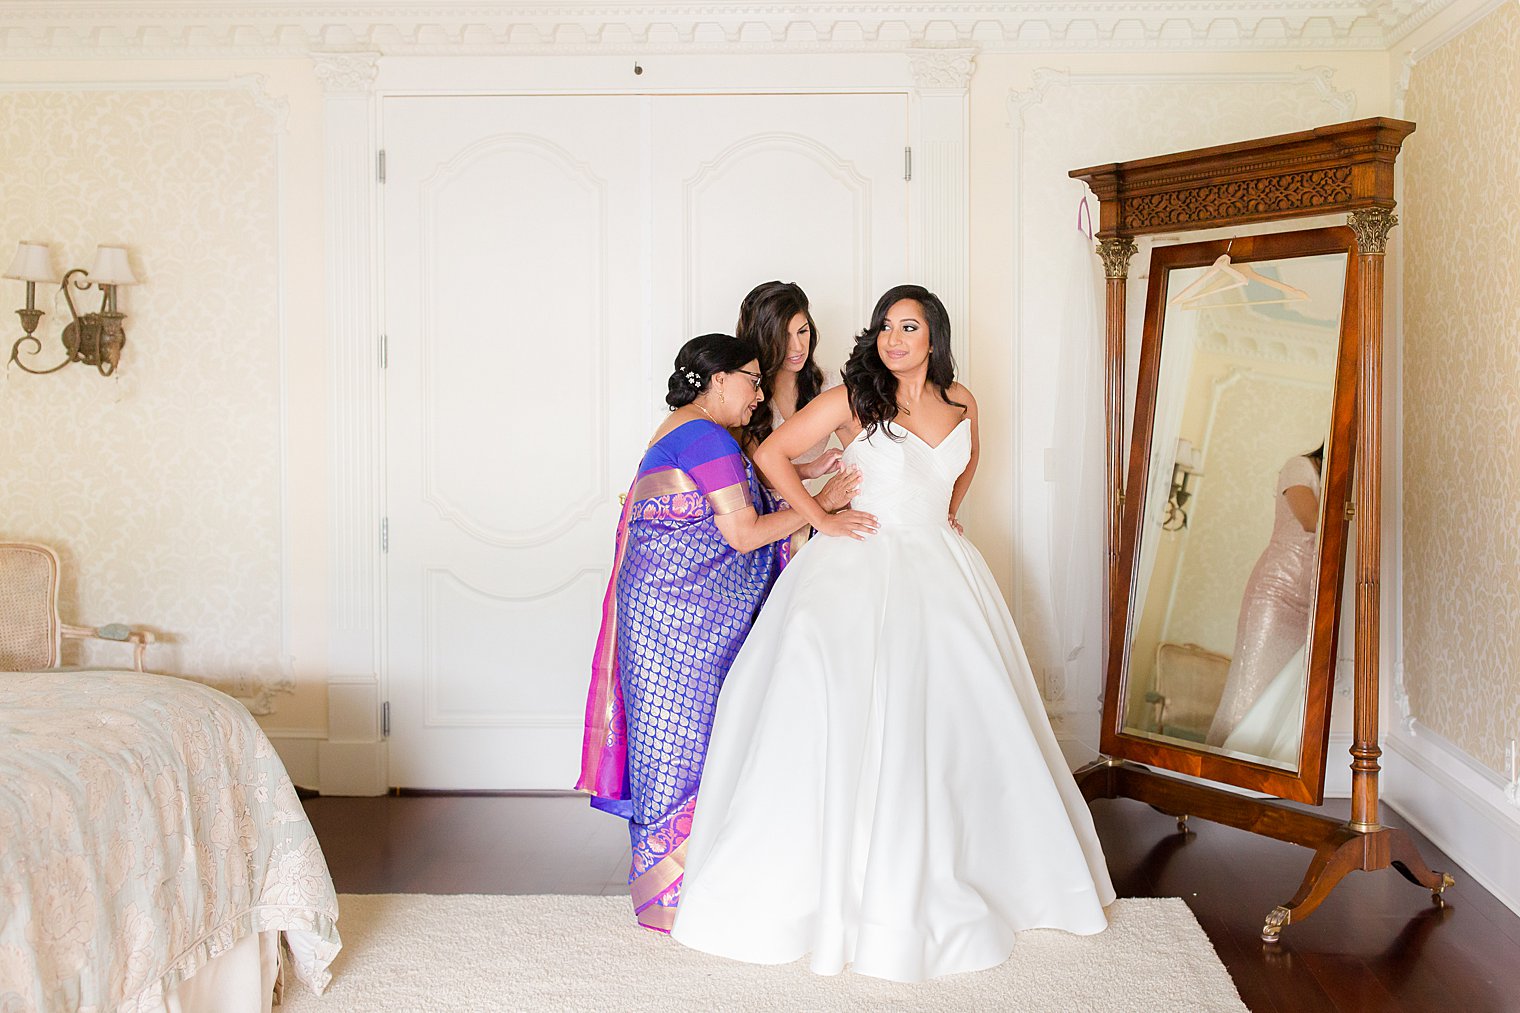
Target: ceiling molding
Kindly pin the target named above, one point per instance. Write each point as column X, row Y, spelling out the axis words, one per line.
column 180, row 28
column 1250, row 336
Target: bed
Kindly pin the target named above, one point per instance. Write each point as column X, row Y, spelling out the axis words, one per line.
column 153, row 853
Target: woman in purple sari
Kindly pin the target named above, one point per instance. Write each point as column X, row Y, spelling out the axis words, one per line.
column 698, row 547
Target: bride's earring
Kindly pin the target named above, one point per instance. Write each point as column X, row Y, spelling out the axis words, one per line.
column 721, row 398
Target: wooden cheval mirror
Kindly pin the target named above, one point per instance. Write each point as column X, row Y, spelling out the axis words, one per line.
column 1260, row 382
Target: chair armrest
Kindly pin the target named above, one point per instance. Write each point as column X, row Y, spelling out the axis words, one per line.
column 1158, row 710
column 139, row 639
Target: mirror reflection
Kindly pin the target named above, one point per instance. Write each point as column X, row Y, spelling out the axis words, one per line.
column 1229, row 535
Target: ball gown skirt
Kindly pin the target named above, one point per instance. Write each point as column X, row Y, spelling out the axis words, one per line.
column 882, row 786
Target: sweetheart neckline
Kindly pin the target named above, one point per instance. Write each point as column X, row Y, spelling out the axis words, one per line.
column 932, row 446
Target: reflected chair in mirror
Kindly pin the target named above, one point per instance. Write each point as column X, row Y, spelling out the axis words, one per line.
column 31, row 633
column 1189, row 682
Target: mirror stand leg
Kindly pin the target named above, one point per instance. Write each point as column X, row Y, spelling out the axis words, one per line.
column 1405, row 857
column 1339, row 854
column 1349, row 850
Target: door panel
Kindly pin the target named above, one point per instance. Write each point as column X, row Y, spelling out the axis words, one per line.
column 466, row 623
column 804, row 188
column 537, row 283
column 512, row 327
column 544, row 259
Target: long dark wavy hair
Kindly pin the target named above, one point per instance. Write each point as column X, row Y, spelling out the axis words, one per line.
column 871, row 385
column 765, row 317
column 699, row 359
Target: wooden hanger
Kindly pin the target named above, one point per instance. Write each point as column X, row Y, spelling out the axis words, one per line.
column 1225, row 276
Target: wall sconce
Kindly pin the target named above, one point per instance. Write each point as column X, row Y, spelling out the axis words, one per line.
column 95, row 339
column 1186, row 467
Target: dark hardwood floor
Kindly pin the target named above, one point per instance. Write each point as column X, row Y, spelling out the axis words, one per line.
column 1377, row 945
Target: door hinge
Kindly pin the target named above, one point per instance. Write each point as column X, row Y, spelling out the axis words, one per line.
column 908, row 164
column 384, row 351
column 380, row 165
column 385, row 534
column 385, row 720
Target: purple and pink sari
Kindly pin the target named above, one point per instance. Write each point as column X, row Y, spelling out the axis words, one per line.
column 678, row 607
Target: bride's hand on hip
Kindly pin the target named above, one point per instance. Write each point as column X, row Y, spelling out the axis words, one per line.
column 836, row 495
column 854, row 524
column 955, row 525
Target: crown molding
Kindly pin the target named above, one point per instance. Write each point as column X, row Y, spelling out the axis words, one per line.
column 1253, row 337
column 179, row 28
column 1437, row 25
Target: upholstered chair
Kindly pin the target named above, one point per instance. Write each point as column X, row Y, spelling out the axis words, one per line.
column 31, row 634
column 1189, row 685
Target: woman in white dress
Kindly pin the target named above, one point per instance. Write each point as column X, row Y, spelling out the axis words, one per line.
column 882, row 786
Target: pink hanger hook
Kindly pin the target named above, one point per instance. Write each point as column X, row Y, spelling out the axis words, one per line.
column 1083, row 212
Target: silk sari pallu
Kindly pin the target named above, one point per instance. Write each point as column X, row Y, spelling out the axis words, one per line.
column 679, row 605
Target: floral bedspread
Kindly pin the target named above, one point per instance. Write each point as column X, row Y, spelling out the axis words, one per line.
column 146, row 825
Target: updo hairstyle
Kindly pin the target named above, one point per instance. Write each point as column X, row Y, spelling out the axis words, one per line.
column 699, row 359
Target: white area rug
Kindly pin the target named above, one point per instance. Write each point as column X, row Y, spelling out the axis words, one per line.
column 562, row 953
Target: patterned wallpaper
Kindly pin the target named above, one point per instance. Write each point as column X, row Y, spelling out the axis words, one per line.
column 1461, row 242
column 160, row 487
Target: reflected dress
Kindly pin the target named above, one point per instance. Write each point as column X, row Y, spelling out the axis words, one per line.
column 1274, row 612
column 680, row 603
column 883, row 788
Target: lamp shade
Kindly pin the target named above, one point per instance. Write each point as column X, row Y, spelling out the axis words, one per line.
column 111, row 267
column 1188, row 456
column 33, row 262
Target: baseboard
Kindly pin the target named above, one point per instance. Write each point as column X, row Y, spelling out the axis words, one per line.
column 319, row 765
column 1457, row 803
column 297, row 749
column 351, row 768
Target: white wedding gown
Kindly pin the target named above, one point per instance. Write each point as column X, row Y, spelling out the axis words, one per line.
column 882, row 787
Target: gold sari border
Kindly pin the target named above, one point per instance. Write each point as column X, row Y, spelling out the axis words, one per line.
column 657, row 917
column 659, row 877
column 731, row 499
column 662, row 483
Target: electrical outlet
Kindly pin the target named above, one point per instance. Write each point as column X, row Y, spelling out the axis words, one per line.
column 1055, row 684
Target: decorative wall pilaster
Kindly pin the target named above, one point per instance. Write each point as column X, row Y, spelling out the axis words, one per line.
column 941, row 182
column 351, row 761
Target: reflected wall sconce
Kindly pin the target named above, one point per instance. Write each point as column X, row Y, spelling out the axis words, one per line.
column 95, row 339
column 1186, row 468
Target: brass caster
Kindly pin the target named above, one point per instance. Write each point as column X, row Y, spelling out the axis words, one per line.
column 1279, row 918
column 1436, row 894
column 1182, row 824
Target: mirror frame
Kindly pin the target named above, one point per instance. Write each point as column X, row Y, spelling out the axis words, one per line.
column 1338, row 168
column 1306, row 784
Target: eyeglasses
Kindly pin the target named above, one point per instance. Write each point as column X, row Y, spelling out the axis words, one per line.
column 753, row 376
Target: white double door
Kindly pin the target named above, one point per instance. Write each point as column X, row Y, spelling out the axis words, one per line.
column 544, row 258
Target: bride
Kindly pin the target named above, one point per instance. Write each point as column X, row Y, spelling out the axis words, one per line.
column 882, row 787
